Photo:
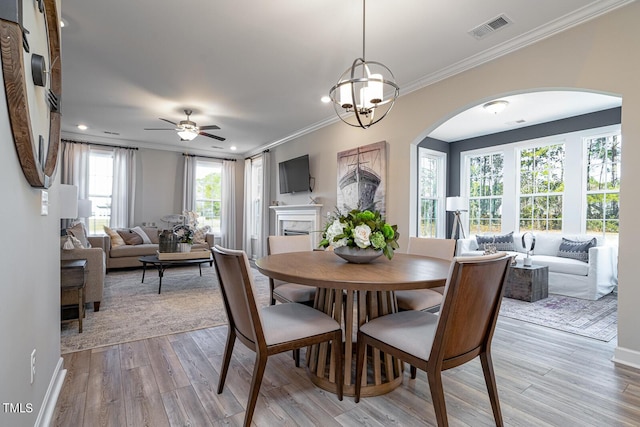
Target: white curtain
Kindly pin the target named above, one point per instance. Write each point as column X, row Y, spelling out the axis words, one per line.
column 228, row 225
column 189, row 184
column 248, row 196
column 265, row 197
column 124, row 187
column 74, row 170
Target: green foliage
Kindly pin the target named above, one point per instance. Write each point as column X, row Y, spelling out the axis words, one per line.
column 341, row 230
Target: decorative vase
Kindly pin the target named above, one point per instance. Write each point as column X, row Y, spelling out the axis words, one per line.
column 168, row 241
column 184, row 247
column 357, row 255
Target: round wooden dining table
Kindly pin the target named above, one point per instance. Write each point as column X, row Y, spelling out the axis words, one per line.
column 353, row 294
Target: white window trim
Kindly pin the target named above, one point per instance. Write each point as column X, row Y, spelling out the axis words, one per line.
column 574, row 220
column 585, row 138
column 441, row 221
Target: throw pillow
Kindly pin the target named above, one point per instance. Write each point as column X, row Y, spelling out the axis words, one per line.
column 503, row 242
column 576, row 249
column 116, row 240
column 200, row 233
column 79, row 232
column 140, row 232
column 130, row 237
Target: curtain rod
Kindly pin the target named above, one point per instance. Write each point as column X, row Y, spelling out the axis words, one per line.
column 98, row 144
column 209, row 157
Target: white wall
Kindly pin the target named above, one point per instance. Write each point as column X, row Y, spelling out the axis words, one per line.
column 600, row 55
column 30, row 284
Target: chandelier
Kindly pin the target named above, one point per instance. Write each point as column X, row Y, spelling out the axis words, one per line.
column 359, row 96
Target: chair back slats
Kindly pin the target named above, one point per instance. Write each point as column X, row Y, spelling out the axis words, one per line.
column 470, row 308
column 236, row 285
column 434, row 248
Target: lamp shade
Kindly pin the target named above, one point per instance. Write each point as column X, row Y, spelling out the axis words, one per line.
column 68, row 201
column 84, row 208
column 454, row 204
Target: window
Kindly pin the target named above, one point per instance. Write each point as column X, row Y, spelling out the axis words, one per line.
column 209, row 194
column 100, row 189
column 431, row 188
column 256, row 197
column 541, row 188
column 603, row 185
column 485, row 189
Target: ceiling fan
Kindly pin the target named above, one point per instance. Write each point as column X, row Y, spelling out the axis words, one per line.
column 187, row 130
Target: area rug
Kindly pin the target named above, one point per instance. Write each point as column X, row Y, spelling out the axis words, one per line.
column 131, row 310
column 593, row 319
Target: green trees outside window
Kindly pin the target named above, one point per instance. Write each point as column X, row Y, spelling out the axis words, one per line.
column 486, row 188
column 209, row 194
column 542, row 188
column 603, row 184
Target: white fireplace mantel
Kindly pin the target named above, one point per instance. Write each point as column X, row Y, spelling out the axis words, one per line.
column 304, row 218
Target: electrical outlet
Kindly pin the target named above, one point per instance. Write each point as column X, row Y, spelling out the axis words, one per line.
column 33, row 364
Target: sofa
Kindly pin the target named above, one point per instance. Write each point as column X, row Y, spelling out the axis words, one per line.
column 589, row 278
column 95, row 269
column 126, row 255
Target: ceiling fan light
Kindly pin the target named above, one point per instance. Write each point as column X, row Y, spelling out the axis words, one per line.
column 187, row 134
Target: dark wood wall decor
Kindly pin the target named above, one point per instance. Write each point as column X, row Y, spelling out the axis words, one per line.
column 38, row 165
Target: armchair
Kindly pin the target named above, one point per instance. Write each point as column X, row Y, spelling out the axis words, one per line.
column 96, row 268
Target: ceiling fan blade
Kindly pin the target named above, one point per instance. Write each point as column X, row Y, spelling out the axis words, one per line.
column 158, row 129
column 210, row 127
column 168, row 121
column 219, row 138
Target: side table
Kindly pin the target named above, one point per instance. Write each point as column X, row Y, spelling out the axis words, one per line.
column 527, row 283
column 72, row 285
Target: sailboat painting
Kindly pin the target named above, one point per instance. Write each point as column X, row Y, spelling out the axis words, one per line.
column 362, row 178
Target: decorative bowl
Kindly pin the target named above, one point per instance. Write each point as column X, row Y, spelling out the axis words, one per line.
column 357, row 255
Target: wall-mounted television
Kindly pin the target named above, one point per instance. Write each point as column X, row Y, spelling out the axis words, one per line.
column 294, row 175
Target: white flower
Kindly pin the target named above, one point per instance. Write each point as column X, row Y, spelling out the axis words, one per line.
column 335, row 229
column 361, row 235
column 339, row 243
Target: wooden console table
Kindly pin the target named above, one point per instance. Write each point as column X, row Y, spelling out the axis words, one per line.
column 72, row 295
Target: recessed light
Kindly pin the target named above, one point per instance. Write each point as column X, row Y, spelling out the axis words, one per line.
column 233, row 148
column 82, row 127
column 496, row 107
column 325, row 99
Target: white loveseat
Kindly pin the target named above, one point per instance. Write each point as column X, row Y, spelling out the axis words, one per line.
column 587, row 280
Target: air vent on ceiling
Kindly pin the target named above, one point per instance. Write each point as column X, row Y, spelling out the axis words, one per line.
column 111, row 133
column 483, row 30
column 216, row 147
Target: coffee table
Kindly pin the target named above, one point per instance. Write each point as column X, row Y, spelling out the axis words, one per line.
column 527, row 283
column 161, row 265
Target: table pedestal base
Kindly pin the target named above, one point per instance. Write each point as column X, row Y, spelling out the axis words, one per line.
column 384, row 372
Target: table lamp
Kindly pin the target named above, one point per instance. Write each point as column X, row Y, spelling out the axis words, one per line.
column 456, row 205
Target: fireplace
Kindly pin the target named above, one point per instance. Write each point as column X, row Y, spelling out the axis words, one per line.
column 298, row 219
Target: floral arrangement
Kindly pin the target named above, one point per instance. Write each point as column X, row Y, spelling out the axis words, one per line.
column 184, row 233
column 362, row 229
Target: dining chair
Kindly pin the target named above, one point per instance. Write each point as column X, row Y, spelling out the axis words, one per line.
column 285, row 291
column 459, row 333
column 426, row 299
column 270, row 330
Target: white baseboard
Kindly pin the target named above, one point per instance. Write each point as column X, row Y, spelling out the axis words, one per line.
column 51, row 397
column 626, row 357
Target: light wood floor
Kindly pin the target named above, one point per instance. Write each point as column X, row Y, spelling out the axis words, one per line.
column 545, row 378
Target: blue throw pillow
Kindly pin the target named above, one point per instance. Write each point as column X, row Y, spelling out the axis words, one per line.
column 503, row 242
column 576, row 250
